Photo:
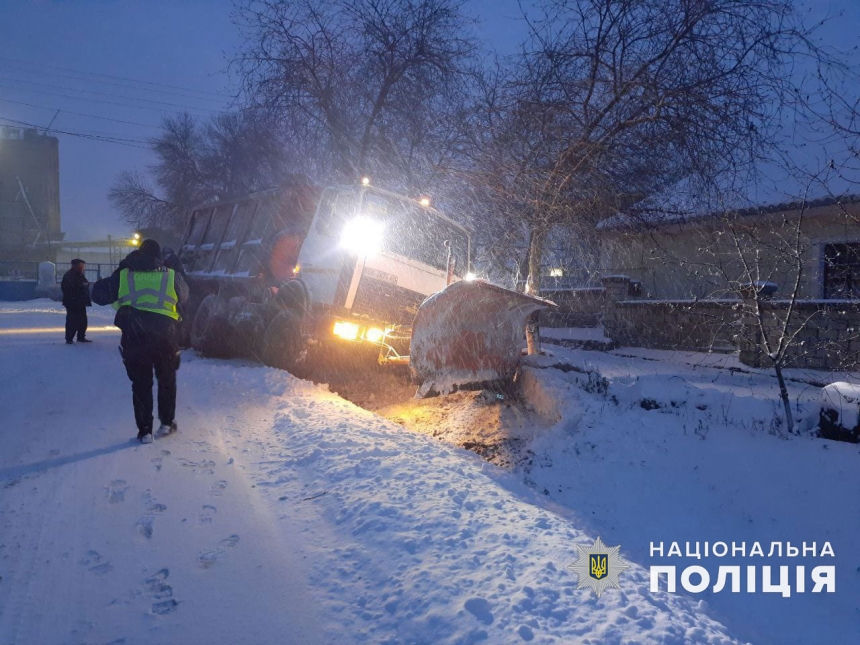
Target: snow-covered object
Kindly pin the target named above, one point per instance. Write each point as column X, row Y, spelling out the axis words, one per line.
column 843, row 399
column 47, row 274
column 470, row 332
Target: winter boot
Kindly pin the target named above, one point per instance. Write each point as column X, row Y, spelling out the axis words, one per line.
column 166, row 429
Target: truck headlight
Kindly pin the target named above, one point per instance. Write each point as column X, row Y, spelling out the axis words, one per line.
column 346, row 330
column 374, row 335
column 363, row 235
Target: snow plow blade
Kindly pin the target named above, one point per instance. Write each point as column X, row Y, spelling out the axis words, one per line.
column 469, row 333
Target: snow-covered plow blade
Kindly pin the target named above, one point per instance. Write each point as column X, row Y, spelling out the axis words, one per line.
column 469, row 333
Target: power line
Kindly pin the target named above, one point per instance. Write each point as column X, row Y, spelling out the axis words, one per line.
column 114, row 96
column 91, row 116
column 120, row 142
column 78, row 77
column 101, row 101
column 119, row 78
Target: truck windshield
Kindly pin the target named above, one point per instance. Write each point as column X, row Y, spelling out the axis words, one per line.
column 418, row 233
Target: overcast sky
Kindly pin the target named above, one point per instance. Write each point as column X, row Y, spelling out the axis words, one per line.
column 134, row 61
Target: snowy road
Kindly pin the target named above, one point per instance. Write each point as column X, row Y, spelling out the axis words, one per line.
column 279, row 514
column 103, row 540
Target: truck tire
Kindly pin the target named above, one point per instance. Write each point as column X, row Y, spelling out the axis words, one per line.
column 209, row 328
column 283, row 344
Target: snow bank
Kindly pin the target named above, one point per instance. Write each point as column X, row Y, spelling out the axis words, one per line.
column 844, row 400
column 431, row 545
column 686, row 447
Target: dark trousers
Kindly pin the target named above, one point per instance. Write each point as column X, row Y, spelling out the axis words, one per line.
column 140, row 363
column 76, row 322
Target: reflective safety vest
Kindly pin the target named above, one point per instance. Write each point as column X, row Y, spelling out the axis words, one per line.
column 153, row 291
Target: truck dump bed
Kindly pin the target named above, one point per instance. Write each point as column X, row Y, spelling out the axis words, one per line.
column 257, row 236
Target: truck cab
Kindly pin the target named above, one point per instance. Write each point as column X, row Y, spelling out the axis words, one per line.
column 280, row 271
column 371, row 257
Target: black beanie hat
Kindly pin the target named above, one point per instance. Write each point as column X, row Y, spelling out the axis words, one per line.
column 150, row 247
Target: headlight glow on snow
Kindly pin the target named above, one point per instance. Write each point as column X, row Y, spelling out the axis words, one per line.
column 362, row 236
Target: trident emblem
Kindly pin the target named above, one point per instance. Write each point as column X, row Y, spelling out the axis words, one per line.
column 599, row 567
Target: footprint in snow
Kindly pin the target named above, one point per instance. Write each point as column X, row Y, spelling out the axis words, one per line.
column 480, row 609
column 217, row 488
column 116, row 491
column 204, row 466
column 95, row 563
column 209, row 558
column 161, row 593
column 206, row 515
column 144, row 523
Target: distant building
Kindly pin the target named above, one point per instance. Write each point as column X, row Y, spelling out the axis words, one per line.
column 29, row 194
column 674, row 257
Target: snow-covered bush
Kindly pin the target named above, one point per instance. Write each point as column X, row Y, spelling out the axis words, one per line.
column 839, row 418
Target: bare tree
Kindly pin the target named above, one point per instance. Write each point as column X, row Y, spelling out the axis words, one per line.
column 230, row 155
column 360, row 86
column 614, row 100
column 779, row 282
column 792, row 314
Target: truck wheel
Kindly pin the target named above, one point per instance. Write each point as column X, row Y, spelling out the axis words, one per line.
column 282, row 342
column 209, row 328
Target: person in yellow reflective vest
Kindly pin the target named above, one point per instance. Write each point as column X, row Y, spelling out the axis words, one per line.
column 148, row 298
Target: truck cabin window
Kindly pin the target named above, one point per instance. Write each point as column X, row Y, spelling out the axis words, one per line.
column 336, row 208
column 418, row 233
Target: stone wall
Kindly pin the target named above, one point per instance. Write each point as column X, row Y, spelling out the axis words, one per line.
column 576, row 307
column 826, row 332
column 680, row 324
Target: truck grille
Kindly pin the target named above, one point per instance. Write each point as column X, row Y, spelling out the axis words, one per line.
column 386, row 302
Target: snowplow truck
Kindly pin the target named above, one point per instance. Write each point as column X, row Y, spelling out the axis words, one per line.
column 311, row 280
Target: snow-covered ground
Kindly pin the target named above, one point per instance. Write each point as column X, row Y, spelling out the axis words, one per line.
column 281, row 513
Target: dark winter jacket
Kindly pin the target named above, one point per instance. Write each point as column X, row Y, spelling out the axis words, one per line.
column 140, row 328
column 76, row 290
column 172, row 261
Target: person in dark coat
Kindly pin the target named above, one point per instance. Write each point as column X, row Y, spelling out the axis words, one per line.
column 172, row 261
column 76, row 299
column 147, row 296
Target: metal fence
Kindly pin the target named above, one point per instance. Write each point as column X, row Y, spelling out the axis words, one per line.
column 95, row 271
column 30, row 271
column 19, row 271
